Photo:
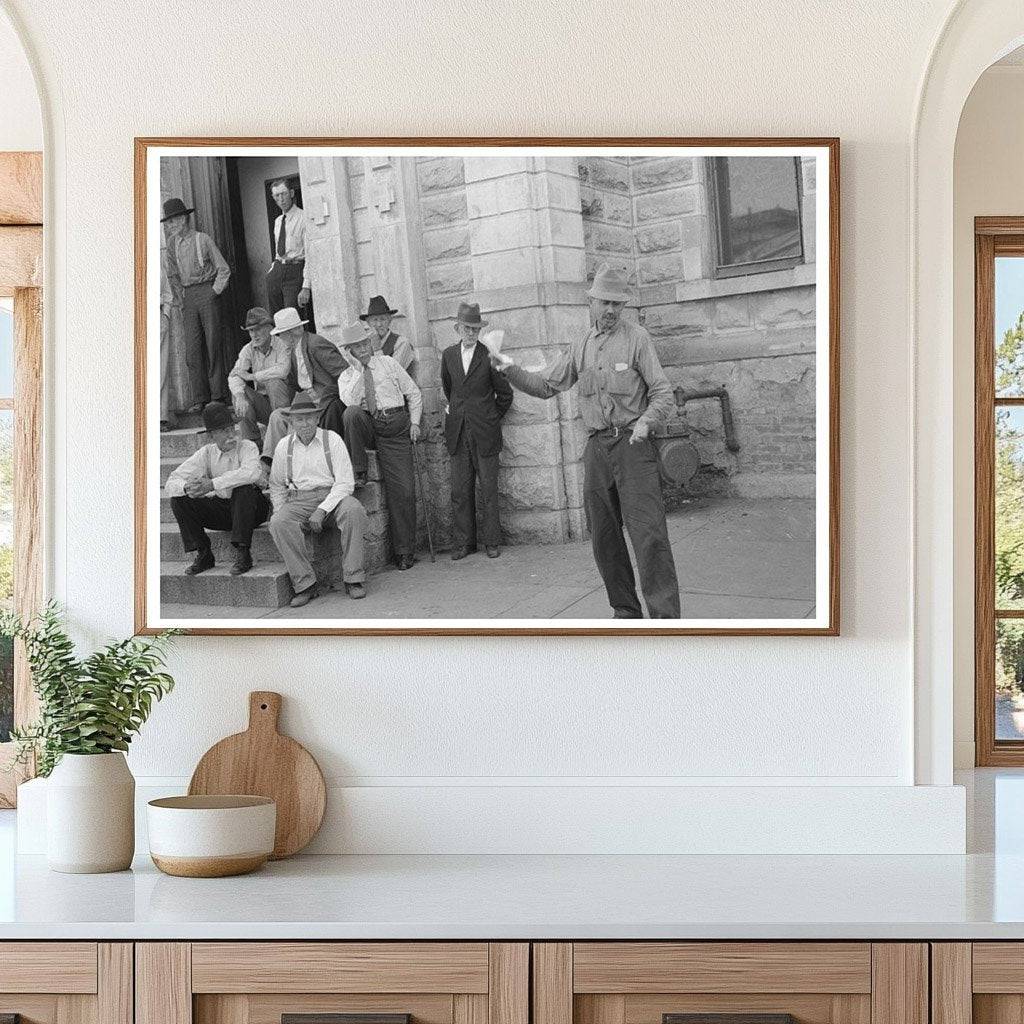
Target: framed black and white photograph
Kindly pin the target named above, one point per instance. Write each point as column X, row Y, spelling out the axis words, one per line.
column 491, row 386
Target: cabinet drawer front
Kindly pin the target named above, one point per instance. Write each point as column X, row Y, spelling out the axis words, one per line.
column 998, row 967
column 48, row 967
column 269, row 1009
column 721, row 967
column 339, row 967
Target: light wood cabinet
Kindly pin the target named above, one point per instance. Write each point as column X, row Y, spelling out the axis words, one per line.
column 66, row 982
column 977, row 982
column 815, row 982
column 260, row 982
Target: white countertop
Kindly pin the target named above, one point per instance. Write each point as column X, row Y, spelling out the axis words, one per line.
column 531, row 897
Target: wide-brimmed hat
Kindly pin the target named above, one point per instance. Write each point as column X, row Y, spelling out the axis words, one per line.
column 302, row 402
column 469, row 313
column 379, row 306
column 609, row 284
column 175, row 208
column 217, row 416
column 257, row 317
column 286, row 319
column 353, row 333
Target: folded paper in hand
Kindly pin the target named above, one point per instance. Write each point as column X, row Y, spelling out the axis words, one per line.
column 493, row 340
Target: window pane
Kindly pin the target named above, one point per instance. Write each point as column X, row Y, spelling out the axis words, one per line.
column 1009, row 524
column 758, row 209
column 1009, row 326
column 1009, row 679
column 6, row 348
column 6, row 565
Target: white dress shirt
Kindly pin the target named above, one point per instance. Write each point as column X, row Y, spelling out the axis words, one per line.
column 467, row 356
column 273, row 364
column 309, row 469
column 391, row 383
column 294, row 237
column 226, row 470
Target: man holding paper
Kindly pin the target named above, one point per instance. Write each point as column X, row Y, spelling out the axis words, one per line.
column 623, row 393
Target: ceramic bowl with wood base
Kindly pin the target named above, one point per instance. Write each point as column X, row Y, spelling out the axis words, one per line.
column 211, row 836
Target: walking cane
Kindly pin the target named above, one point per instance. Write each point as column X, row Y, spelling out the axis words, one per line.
column 426, row 501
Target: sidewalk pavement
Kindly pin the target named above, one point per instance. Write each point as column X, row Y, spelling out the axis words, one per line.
column 735, row 558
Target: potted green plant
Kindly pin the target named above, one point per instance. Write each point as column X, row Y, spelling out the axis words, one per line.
column 89, row 710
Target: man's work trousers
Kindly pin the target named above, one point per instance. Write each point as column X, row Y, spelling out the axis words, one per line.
column 622, row 485
column 389, row 435
column 474, row 483
column 289, row 526
column 278, row 425
column 259, row 406
column 246, row 509
column 165, row 366
column 284, row 282
column 204, row 347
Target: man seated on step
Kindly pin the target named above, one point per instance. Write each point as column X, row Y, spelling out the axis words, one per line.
column 383, row 408
column 316, row 365
column 311, row 486
column 217, row 488
column 259, row 381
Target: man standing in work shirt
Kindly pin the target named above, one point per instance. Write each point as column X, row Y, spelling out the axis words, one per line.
column 623, row 393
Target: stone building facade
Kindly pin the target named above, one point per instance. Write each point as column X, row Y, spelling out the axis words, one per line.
column 521, row 235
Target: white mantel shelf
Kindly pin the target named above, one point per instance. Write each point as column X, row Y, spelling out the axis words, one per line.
column 530, row 897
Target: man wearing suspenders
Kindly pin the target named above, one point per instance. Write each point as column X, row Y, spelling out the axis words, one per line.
column 311, row 483
column 217, row 488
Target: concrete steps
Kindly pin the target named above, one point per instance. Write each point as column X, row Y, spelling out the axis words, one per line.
column 263, row 586
column 172, row 550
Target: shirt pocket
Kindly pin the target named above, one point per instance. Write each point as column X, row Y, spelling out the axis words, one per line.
column 621, row 382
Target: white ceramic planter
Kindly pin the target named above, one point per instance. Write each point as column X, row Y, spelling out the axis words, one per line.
column 90, row 814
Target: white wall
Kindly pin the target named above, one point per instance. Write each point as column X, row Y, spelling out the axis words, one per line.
column 988, row 181
column 444, row 714
column 21, row 123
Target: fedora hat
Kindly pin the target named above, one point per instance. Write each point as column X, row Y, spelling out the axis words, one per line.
column 175, row 208
column 379, row 306
column 469, row 313
column 353, row 333
column 285, row 319
column 610, row 285
column 256, row 317
column 217, row 416
column 302, row 402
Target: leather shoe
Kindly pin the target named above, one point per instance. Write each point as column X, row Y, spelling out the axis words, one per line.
column 303, row 597
column 204, row 560
column 405, row 562
column 461, row 553
column 355, row 590
column 493, row 552
column 243, row 562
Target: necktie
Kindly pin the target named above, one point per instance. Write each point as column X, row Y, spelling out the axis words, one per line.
column 280, row 239
column 302, row 369
column 369, row 391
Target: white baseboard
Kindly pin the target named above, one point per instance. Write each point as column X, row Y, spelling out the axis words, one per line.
column 601, row 819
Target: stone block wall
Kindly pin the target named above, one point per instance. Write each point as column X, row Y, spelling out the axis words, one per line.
column 607, row 205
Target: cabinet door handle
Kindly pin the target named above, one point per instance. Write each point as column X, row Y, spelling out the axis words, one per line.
column 728, row 1018
column 338, row 1018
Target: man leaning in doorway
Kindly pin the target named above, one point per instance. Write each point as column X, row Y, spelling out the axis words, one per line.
column 378, row 317
column 259, row 381
column 316, row 365
column 287, row 280
column 623, row 393
column 204, row 274
column 311, row 488
column 375, row 390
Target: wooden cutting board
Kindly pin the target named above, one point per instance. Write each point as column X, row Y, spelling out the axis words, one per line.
column 262, row 762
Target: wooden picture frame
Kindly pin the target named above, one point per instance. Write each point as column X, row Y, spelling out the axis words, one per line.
column 21, row 263
column 824, row 153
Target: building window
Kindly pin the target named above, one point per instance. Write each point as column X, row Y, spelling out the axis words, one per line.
column 756, row 206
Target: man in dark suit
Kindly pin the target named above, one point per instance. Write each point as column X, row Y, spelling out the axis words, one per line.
column 478, row 397
column 317, row 363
